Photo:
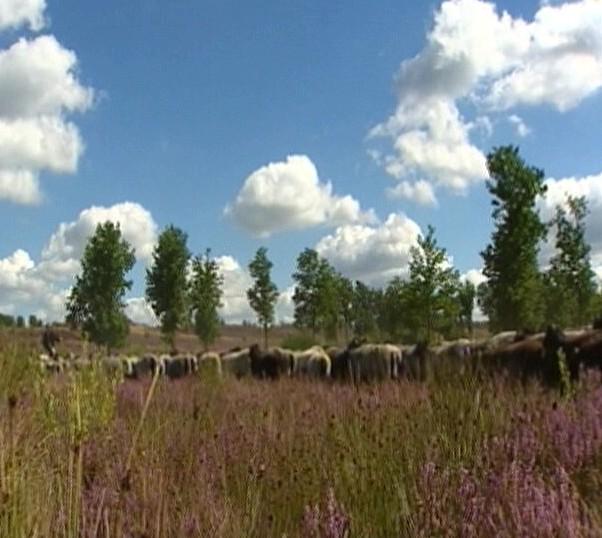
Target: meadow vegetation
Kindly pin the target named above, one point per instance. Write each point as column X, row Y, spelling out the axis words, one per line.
column 462, row 454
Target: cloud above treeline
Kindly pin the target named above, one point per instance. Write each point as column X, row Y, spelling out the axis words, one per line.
column 480, row 56
column 289, row 195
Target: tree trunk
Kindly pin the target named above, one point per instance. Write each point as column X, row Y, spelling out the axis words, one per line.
column 265, row 335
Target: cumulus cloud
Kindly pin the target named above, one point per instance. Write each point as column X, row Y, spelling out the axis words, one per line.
column 420, row 192
column 42, row 287
column 524, row 65
column 373, row 254
column 138, row 310
column 66, row 245
column 38, row 89
column 289, row 195
column 16, row 13
column 19, row 186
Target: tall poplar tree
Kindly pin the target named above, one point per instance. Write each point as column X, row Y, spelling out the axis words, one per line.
column 514, row 296
column 570, row 280
column 95, row 304
column 431, row 292
column 166, row 282
column 263, row 294
column 205, row 298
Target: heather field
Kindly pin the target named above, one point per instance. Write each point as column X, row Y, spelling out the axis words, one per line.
column 462, row 454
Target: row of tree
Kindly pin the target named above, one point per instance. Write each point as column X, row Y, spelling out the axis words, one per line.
column 6, row 320
column 431, row 301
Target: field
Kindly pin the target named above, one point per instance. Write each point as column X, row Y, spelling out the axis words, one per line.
column 462, row 454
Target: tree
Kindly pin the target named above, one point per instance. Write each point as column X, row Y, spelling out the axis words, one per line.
column 306, row 296
column 263, row 294
column 432, row 288
column 34, row 321
column 95, row 303
column 365, row 309
column 345, row 294
column 392, row 314
column 20, row 322
column 7, row 320
column 510, row 260
column 467, row 293
column 166, row 282
column 205, row 298
column 570, row 281
column 316, row 298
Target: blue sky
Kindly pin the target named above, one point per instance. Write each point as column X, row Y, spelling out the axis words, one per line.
column 180, row 107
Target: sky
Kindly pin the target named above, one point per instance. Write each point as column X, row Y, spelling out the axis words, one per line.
column 343, row 126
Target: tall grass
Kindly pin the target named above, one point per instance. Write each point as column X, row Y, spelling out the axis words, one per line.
column 460, row 455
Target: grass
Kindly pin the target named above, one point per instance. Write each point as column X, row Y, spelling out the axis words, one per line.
column 461, row 455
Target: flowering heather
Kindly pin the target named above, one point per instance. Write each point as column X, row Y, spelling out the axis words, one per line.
column 81, row 456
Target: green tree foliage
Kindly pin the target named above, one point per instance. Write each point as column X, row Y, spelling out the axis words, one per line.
column 263, row 294
column 514, row 299
column 205, row 298
column 570, row 284
column 166, row 282
column 345, row 293
column 95, row 303
column 34, row 321
column 366, row 305
column 431, row 293
column 467, row 293
column 20, row 322
column 392, row 313
column 316, row 297
column 7, row 320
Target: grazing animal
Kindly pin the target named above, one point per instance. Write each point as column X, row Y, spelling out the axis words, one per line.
column 210, row 365
column 271, row 363
column 236, row 363
column 180, row 366
column 313, row 362
column 374, row 362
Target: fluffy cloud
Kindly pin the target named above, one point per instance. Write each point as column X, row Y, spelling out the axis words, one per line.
column 66, row 245
column 420, row 192
column 38, row 89
column 524, row 65
column 139, row 311
column 42, row 287
column 373, row 254
column 19, row 186
column 289, row 195
column 15, row 13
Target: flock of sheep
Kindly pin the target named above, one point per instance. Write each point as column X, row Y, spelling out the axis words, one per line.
column 523, row 355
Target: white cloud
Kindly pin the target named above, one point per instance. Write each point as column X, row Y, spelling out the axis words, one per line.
column 19, row 186
column 420, row 192
column 42, row 287
column 289, row 195
column 15, row 13
column 522, row 129
column 65, row 247
column 38, row 89
column 38, row 78
column 141, row 312
column 524, row 65
column 373, row 254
